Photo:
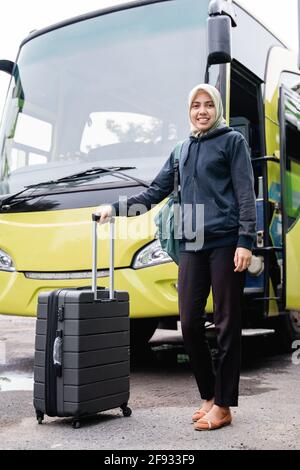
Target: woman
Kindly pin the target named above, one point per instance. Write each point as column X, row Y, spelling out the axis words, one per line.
column 215, row 173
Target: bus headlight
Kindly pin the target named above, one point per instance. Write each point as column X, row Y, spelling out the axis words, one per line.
column 151, row 255
column 6, row 263
column 257, row 265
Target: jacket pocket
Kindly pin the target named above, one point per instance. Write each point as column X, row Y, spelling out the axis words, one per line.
column 214, row 217
column 208, row 216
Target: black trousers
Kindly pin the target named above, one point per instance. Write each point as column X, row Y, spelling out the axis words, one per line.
column 198, row 271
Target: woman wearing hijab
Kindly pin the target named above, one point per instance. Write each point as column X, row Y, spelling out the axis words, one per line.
column 215, row 173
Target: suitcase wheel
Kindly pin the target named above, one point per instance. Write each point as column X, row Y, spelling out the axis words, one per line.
column 75, row 424
column 39, row 417
column 126, row 410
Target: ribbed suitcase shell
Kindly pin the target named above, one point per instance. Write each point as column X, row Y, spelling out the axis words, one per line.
column 95, row 352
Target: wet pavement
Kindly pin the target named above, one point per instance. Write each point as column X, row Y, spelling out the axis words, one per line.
column 163, row 397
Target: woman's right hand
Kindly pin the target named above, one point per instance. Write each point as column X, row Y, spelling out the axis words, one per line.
column 105, row 213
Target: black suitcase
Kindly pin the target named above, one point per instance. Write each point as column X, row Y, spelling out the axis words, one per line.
column 81, row 364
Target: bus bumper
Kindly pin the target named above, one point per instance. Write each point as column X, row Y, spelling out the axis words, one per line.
column 152, row 291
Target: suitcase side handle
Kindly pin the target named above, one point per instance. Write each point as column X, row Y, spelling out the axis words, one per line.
column 95, row 219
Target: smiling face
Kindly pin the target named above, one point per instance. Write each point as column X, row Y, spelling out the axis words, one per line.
column 203, row 111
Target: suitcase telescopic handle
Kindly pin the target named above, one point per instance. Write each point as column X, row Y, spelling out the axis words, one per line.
column 96, row 218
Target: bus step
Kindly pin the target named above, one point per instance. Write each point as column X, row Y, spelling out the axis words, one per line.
column 247, row 332
column 250, row 332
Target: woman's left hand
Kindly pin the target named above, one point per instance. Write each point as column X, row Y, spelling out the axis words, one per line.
column 242, row 259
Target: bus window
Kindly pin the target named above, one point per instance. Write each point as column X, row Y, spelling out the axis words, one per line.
column 124, row 75
column 31, row 135
column 113, row 133
column 34, row 132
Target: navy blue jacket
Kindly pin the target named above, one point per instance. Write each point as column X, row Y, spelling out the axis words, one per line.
column 215, row 170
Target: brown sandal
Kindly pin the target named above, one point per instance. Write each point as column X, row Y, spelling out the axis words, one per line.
column 204, row 424
column 198, row 415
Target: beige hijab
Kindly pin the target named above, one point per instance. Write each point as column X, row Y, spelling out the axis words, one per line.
column 216, row 97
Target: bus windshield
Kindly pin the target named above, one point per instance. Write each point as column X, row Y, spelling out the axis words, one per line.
column 105, row 91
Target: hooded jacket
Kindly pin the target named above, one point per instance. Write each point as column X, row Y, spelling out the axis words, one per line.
column 215, row 171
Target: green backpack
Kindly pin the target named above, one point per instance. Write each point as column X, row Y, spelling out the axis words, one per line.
column 165, row 220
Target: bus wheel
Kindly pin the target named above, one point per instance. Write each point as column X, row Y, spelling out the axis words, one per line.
column 293, row 324
column 288, row 329
column 141, row 330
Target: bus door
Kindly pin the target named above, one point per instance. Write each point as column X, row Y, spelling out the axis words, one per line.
column 247, row 117
column 289, row 119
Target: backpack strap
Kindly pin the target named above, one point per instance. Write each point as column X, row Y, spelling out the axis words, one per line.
column 178, row 149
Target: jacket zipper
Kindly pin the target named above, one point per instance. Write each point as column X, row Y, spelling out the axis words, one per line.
column 194, row 186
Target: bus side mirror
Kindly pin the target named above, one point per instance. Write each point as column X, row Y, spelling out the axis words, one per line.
column 7, row 66
column 13, row 70
column 219, row 40
column 221, row 19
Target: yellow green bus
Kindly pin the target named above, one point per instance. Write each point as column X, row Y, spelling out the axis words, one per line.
column 94, row 107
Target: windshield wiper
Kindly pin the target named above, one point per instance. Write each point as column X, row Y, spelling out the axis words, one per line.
column 114, row 170
column 97, row 170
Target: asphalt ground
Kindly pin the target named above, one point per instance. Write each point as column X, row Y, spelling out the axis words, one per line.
column 163, row 398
